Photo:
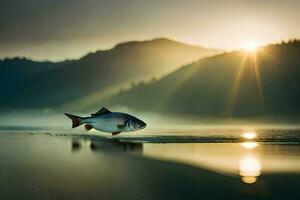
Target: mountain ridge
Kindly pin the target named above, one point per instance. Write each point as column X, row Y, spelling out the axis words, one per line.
column 227, row 84
column 126, row 62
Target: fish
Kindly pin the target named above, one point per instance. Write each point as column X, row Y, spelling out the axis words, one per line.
column 106, row 121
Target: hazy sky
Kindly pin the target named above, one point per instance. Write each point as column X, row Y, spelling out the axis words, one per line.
column 58, row 29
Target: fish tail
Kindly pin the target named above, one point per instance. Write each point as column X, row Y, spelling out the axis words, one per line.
column 76, row 120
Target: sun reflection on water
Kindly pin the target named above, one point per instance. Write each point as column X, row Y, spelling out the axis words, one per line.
column 249, row 145
column 246, row 160
column 249, row 166
column 249, row 169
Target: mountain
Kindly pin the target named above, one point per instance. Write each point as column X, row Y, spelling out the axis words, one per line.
column 230, row 84
column 95, row 72
column 16, row 71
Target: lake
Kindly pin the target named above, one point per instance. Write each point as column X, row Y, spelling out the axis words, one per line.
column 187, row 163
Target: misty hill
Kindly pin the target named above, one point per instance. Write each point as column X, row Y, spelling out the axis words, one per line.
column 16, row 71
column 124, row 63
column 229, row 84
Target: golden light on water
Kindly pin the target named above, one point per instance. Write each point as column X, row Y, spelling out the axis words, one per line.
column 249, row 179
column 246, row 161
column 249, row 135
column 249, row 169
column 249, row 145
column 249, row 166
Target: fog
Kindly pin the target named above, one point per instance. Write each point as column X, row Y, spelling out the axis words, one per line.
column 54, row 120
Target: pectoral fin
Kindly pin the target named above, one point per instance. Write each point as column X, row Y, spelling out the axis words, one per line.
column 88, row 127
column 121, row 126
column 116, row 133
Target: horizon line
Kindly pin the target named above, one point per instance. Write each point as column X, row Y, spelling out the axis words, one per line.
column 141, row 40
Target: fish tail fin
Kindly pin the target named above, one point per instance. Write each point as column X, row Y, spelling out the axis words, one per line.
column 76, row 120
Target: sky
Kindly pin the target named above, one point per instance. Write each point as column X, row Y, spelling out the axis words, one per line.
column 67, row 29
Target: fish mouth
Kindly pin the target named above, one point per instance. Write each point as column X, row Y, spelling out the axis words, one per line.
column 143, row 125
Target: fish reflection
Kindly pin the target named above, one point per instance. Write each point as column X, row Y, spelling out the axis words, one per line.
column 249, row 169
column 76, row 145
column 110, row 146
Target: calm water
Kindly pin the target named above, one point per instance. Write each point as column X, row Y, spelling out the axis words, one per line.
column 249, row 160
column 248, row 154
column 240, row 163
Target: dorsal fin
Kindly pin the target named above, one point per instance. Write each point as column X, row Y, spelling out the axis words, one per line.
column 101, row 112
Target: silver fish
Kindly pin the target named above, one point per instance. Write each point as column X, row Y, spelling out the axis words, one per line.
column 107, row 121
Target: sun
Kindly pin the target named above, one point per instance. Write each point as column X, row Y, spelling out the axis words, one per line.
column 251, row 46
